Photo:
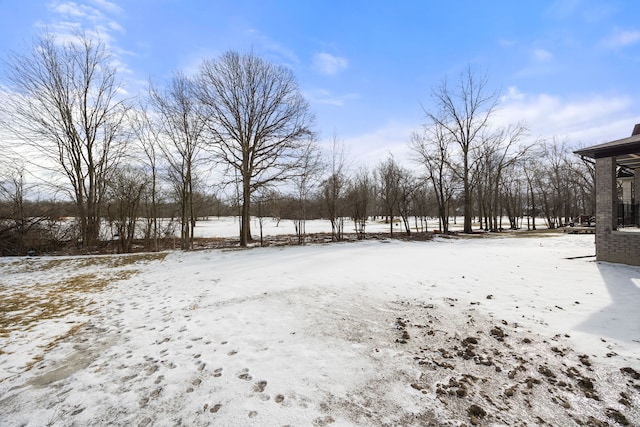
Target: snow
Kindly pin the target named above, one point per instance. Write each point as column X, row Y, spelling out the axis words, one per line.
column 367, row 333
column 228, row 226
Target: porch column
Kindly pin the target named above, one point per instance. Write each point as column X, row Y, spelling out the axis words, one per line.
column 606, row 195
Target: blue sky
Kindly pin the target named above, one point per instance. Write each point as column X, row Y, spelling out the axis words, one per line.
column 569, row 68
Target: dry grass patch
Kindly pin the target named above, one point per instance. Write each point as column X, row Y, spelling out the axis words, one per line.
column 545, row 232
column 28, row 265
column 34, row 303
column 64, row 290
column 26, row 304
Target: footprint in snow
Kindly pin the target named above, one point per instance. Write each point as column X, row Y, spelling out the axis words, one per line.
column 244, row 375
column 260, row 386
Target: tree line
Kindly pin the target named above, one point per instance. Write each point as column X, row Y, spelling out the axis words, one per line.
column 238, row 138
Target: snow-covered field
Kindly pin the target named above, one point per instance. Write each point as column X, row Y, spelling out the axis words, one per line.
column 228, row 226
column 486, row 331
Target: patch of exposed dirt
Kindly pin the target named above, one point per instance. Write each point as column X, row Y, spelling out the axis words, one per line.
column 458, row 366
column 485, row 372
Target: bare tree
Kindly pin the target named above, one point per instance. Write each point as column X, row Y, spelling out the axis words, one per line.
column 182, row 125
column 63, row 101
column 407, row 186
column 463, row 113
column 499, row 152
column 258, row 119
column 390, row 179
column 512, row 195
column 147, row 136
column 434, row 151
column 530, row 168
column 360, row 196
column 334, row 188
column 397, row 187
column 584, row 178
column 26, row 225
column 266, row 203
column 14, row 220
column 123, row 207
column 421, row 202
column 311, row 165
column 555, row 187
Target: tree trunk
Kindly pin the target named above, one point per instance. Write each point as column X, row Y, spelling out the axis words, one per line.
column 467, row 209
column 245, row 227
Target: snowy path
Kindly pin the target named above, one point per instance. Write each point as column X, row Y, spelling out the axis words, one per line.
column 493, row 331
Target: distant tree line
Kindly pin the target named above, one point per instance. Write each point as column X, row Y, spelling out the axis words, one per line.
column 94, row 166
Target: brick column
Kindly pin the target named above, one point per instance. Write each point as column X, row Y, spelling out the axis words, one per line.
column 606, row 195
column 606, row 208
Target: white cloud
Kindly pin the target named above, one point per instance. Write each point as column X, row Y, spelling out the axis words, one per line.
column 107, row 6
column 621, row 38
column 328, row 64
column 370, row 148
column 91, row 17
column 269, row 45
column 62, row 29
column 69, row 9
column 323, row 96
column 120, row 66
column 513, row 94
column 114, row 26
column 541, row 55
column 583, row 121
column 73, row 10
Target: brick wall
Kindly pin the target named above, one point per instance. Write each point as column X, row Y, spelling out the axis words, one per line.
column 612, row 246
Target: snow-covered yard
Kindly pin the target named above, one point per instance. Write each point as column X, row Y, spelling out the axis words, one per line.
column 486, row 331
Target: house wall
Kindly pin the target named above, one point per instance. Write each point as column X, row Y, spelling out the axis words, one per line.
column 611, row 245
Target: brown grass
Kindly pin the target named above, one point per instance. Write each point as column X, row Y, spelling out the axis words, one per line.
column 74, row 286
column 26, row 304
column 28, row 265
